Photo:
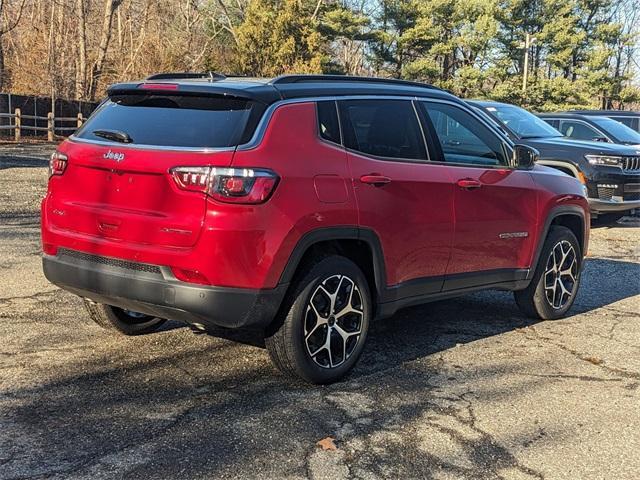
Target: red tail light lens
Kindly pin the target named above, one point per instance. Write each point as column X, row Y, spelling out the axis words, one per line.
column 242, row 185
column 57, row 163
column 230, row 185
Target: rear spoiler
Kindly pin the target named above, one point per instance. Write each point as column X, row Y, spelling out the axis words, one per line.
column 259, row 93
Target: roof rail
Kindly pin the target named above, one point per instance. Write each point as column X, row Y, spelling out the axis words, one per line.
column 212, row 76
column 285, row 79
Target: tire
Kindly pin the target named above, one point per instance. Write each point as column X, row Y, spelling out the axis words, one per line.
column 542, row 299
column 122, row 321
column 607, row 219
column 297, row 342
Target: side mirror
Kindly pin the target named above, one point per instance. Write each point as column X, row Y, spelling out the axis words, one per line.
column 524, row 156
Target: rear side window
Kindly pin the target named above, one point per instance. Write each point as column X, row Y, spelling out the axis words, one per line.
column 382, row 128
column 328, row 125
column 175, row 120
column 578, row 130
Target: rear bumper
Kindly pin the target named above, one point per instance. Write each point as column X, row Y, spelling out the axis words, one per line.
column 155, row 291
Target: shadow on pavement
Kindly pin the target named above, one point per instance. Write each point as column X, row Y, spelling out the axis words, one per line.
column 218, row 408
column 11, row 161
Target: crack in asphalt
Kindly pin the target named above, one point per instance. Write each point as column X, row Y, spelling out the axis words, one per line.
column 513, row 460
column 584, row 378
column 586, row 358
column 35, row 296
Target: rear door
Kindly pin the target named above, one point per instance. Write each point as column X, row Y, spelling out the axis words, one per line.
column 118, row 184
column 495, row 205
column 405, row 200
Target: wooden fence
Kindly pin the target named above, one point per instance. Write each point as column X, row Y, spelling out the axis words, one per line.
column 51, row 128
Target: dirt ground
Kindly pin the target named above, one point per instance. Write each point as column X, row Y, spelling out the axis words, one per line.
column 465, row 388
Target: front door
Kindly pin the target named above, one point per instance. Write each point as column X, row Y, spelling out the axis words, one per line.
column 494, row 204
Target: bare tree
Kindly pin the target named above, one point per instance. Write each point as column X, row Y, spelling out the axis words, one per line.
column 81, row 69
column 4, row 29
column 110, row 7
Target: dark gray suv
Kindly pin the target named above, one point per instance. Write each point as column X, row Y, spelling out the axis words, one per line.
column 610, row 173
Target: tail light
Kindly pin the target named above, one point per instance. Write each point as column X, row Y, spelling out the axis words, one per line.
column 230, row 185
column 57, row 163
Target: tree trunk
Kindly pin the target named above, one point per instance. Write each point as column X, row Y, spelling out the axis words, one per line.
column 3, row 78
column 81, row 72
column 4, row 29
column 107, row 20
column 2, row 71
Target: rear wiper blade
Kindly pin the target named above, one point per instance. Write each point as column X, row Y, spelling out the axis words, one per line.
column 115, row 135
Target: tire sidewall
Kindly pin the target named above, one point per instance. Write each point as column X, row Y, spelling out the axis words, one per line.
column 304, row 364
column 540, row 297
column 116, row 317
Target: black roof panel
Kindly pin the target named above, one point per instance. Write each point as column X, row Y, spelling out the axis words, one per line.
column 284, row 87
column 608, row 113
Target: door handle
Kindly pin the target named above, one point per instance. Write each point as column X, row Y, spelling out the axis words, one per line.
column 469, row 183
column 375, row 179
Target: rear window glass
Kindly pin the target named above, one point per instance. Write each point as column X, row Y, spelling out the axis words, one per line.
column 383, row 128
column 328, row 121
column 175, row 120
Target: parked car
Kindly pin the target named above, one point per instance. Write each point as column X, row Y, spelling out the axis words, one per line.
column 611, row 173
column 302, row 207
column 592, row 127
column 629, row 118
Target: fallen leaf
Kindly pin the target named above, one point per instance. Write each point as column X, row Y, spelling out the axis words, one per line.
column 594, row 360
column 327, row 444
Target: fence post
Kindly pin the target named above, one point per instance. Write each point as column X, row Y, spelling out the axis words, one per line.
column 79, row 119
column 18, row 124
column 50, row 126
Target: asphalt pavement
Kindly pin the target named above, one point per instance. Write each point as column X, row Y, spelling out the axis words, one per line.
column 458, row 389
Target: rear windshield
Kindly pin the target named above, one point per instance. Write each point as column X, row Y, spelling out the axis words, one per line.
column 174, row 120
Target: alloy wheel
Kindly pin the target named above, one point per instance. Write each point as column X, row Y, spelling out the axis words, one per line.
column 131, row 317
column 561, row 274
column 333, row 321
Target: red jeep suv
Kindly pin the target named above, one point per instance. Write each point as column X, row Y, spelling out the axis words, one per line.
column 304, row 207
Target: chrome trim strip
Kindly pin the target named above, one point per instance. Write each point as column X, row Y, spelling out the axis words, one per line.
column 136, row 146
column 557, row 163
column 258, row 135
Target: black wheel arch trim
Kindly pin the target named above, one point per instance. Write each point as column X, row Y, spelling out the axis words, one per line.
column 559, row 211
column 313, row 237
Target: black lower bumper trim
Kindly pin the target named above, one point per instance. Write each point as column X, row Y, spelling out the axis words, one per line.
column 160, row 297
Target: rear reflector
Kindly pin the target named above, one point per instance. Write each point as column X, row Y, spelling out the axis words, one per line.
column 190, row 276
column 229, row 185
column 57, row 163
